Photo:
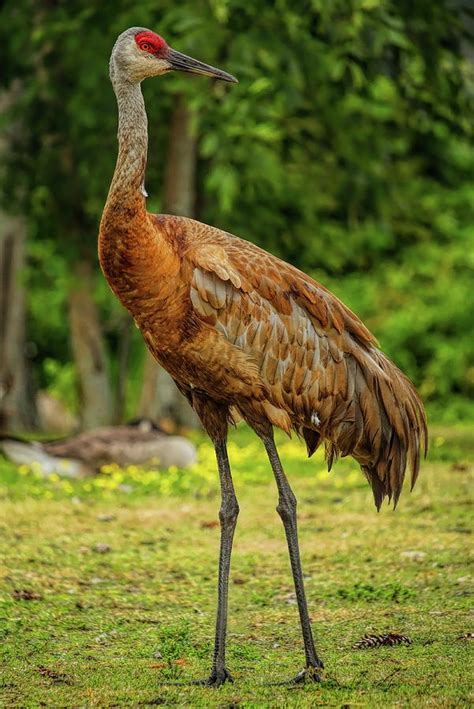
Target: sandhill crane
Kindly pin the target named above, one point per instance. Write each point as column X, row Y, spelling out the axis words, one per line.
column 241, row 331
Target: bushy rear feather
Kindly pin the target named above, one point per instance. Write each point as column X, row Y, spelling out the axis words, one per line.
column 384, row 428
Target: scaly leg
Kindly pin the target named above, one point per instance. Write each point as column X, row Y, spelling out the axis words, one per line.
column 228, row 519
column 287, row 511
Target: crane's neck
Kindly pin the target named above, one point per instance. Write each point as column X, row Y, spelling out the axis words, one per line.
column 127, row 192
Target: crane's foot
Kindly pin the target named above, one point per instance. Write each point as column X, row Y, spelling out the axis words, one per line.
column 312, row 673
column 216, row 678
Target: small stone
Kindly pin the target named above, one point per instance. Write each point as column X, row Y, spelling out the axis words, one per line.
column 125, row 488
column 157, row 655
column 102, row 638
column 106, row 517
column 413, row 555
column 102, row 548
column 133, row 589
column 96, row 580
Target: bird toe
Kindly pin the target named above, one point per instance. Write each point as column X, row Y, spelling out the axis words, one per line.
column 312, row 673
column 216, row 678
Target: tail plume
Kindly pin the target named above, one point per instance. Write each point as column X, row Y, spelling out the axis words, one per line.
column 388, row 432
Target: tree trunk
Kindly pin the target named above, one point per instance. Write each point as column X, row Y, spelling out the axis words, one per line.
column 17, row 407
column 89, row 350
column 159, row 396
column 180, row 175
column 123, row 361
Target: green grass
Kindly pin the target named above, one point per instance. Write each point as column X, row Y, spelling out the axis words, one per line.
column 119, row 627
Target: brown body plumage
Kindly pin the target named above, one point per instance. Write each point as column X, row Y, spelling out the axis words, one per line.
column 257, row 335
column 241, row 331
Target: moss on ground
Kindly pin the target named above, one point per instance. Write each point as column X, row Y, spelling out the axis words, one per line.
column 108, row 587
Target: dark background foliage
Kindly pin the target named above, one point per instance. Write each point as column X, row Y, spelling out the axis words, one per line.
column 346, row 149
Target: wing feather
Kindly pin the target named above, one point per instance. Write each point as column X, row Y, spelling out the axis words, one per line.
column 314, row 357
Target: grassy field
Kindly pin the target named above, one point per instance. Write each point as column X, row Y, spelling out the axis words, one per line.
column 108, row 586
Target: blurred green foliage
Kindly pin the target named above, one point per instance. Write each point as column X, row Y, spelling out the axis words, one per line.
column 345, row 149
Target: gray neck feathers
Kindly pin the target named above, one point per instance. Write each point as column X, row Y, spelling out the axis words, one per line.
column 128, row 179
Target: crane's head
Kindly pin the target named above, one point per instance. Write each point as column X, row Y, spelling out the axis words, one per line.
column 139, row 53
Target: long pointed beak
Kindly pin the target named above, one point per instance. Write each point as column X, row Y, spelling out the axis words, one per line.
column 181, row 62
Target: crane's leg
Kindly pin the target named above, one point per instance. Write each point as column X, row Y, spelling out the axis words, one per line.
column 228, row 519
column 287, row 511
column 214, row 417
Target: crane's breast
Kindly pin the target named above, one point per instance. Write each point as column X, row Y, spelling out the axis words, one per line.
column 141, row 269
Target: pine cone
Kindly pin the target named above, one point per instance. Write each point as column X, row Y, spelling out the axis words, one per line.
column 369, row 641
